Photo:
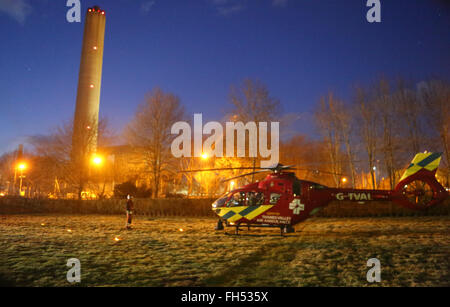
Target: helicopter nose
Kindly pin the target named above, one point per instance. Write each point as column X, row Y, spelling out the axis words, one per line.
column 219, row 202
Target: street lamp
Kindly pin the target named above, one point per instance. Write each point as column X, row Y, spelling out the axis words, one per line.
column 375, row 176
column 204, row 156
column 21, row 167
column 97, row 160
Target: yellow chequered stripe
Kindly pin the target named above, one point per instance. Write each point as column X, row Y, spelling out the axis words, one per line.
column 233, row 214
column 429, row 161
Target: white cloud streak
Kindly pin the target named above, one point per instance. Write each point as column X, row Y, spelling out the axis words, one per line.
column 147, row 6
column 17, row 9
column 279, row 3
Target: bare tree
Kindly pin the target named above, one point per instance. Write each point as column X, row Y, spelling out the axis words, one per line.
column 311, row 157
column 343, row 121
column 330, row 132
column 436, row 96
column 55, row 158
column 389, row 131
column 368, row 120
column 150, row 130
column 7, row 161
column 252, row 102
column 409, row 110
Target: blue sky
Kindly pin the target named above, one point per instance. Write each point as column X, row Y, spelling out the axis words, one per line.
column 197, row 49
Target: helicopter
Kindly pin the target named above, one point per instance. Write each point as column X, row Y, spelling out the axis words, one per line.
column 282, row 200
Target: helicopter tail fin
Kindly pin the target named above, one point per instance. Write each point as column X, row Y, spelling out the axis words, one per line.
column 418, row 188
column 428, row 161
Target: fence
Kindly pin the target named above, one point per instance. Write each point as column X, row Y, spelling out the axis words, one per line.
column 194, row 207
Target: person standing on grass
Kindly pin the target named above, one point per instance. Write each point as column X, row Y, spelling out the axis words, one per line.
column 130, row 209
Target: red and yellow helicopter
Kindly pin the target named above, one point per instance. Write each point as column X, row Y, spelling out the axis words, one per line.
column 282, row 200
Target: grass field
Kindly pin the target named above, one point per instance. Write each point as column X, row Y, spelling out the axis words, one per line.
column 34, row 249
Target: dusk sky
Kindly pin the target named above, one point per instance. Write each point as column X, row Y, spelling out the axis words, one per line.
column 197, row 49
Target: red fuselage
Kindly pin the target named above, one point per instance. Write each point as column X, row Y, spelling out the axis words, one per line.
column 283, row 199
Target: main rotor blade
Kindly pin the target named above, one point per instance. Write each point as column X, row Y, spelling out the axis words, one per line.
column 247, row 174
column 271, row 168
column 319, row 171
column 218, row 169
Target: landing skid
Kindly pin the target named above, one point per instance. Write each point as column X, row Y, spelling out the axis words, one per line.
column 283, row 228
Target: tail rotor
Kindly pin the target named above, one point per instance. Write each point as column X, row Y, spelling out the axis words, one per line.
column 418, row 188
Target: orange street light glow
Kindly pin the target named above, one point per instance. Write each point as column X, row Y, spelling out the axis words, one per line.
column 22, row 166
column 204, row 156
column 181, row 229
column 344, row 180
column 117, row 238
column 69, row 230
column 97, row 160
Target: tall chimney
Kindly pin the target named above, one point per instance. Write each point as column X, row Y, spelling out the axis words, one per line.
column 85, row 125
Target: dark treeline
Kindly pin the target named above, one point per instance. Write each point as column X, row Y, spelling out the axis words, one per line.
column 365, row 142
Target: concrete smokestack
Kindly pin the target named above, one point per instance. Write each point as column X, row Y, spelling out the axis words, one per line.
column 85, row 126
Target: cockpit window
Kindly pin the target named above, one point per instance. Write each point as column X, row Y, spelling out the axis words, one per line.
column 238, row 199
column 221, row 201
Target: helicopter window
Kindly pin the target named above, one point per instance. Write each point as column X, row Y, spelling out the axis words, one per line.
column 255, row 199
column 221, row 201
column 317, row 186
column 274, row 197
column 238, row 199
column 297, row 188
